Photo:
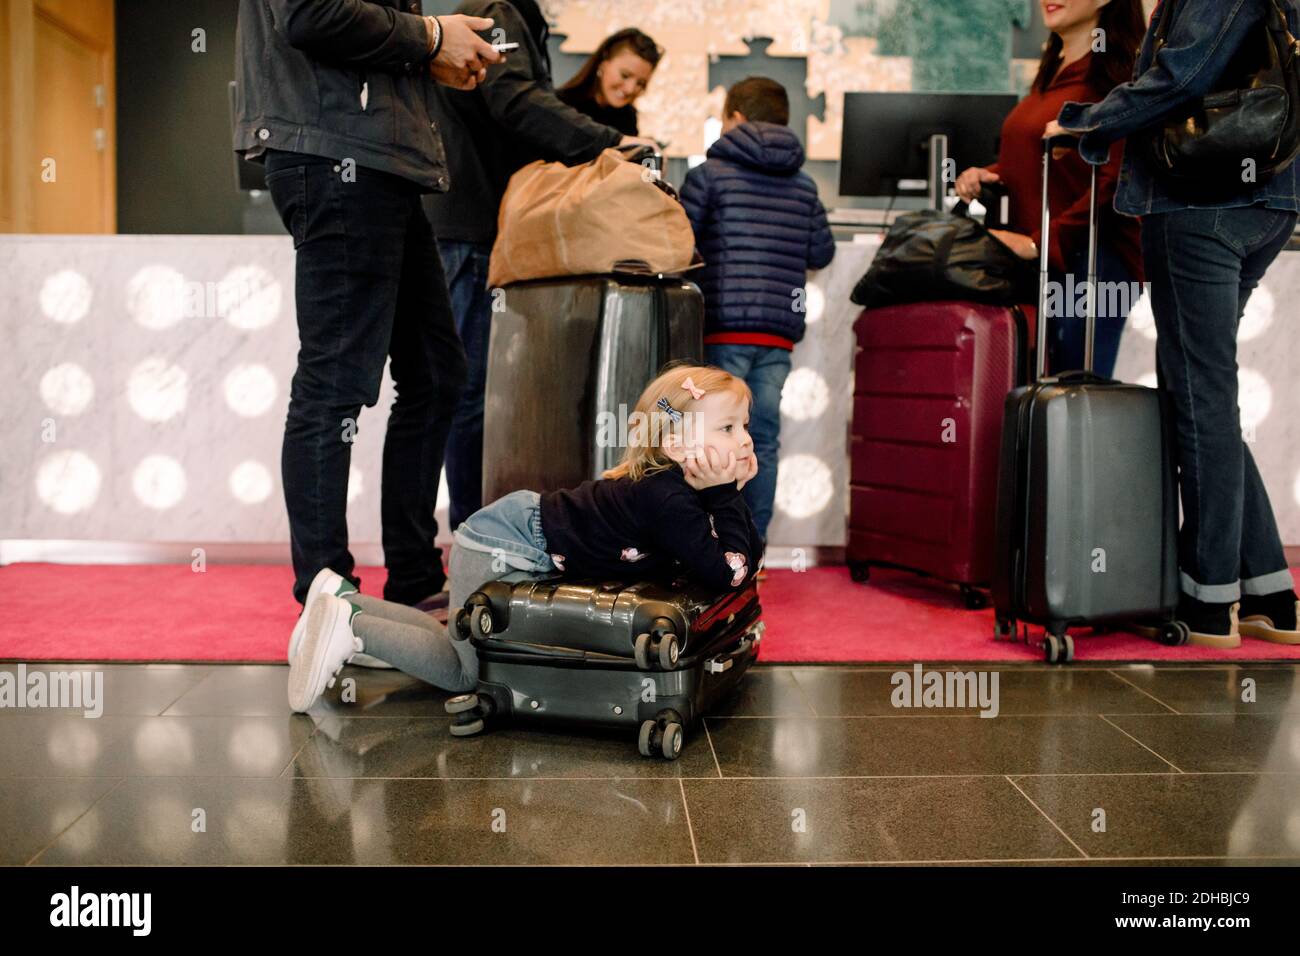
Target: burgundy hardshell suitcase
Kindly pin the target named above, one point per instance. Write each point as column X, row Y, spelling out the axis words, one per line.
column 930, row 382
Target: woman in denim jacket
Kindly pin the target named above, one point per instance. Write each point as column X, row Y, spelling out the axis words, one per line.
column 1203, row 260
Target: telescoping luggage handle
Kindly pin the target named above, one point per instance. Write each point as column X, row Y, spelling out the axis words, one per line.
column 1090, row 329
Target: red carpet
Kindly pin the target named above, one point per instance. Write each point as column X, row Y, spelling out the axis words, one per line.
column 245, row 613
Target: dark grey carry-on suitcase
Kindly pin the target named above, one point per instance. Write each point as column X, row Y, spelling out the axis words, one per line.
column 651, row 657
column 1087, row 498
column 567, row 360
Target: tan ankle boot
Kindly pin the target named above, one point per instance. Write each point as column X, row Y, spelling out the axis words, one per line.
column 1222, row 641
column 1260, row 626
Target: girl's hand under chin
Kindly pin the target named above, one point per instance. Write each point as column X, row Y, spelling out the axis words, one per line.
column 746, row 472
column 704, row 468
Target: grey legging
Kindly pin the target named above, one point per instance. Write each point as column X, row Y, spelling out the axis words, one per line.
column 415, row 643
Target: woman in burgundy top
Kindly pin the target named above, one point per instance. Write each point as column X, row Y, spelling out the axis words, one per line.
column 1093, row 48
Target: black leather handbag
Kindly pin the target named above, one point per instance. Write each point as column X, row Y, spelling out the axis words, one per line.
column 932, row 256
column 1211, row 143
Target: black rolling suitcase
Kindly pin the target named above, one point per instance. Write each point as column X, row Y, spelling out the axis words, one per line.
column 651, row 657
column 567, row 360
column 1087, row 498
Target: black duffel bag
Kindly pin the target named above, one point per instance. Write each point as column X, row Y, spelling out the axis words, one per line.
column 932, row 256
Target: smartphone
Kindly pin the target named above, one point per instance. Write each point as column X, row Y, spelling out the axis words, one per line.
column 505, row 47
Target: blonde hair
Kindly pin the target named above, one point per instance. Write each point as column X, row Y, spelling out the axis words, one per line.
column 645, row 454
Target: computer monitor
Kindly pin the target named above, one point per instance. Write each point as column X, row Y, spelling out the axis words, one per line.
column 884, row 151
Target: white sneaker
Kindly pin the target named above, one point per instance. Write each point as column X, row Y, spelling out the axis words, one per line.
column 365, row 660
column 325, row 582
column 327, row 643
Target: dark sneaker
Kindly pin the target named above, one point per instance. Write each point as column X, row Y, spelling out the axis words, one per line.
column 1271, row 617
column 433, row 603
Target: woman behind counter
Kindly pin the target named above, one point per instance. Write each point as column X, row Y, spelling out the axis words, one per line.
column 613, row 78
column 1071, row 71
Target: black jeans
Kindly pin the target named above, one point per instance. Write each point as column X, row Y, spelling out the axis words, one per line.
column 369, row 286
column 1203, row 265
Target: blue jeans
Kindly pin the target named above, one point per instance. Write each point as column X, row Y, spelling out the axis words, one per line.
column 1065, row 332
column 368, row 285
column 510, row 529
column 466, row 266
column 764, row 369
column 1203, row 265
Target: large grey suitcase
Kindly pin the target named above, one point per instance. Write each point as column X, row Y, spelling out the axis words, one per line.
column 1087, row 496
column 646, row 656
column 567, row 360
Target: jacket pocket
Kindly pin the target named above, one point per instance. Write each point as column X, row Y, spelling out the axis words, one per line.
column 340, row 92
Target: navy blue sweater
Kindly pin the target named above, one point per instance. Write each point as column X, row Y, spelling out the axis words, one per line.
column 616, row 527
column 760, row 227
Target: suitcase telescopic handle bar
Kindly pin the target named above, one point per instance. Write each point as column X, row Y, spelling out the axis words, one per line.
column 1090, row 328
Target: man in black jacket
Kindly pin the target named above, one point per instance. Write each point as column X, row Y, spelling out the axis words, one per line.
column 511, row 119
column 332, row 96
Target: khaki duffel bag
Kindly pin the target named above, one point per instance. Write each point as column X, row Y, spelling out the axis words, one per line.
column 601, row 217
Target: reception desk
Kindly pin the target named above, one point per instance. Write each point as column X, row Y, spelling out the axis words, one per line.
column 147, row 379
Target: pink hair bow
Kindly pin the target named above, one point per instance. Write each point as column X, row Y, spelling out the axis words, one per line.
column 696, row 393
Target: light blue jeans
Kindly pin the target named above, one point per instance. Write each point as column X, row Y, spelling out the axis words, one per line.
column 764, row 369
column 510, row 529
column 503, row 541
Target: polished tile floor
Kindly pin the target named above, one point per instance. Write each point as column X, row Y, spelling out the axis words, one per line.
column 1082, row 764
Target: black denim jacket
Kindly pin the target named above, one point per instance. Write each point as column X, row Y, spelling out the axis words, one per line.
column 344, row 79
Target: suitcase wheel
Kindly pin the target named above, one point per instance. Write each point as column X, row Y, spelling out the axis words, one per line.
column 671, row 746
column 665, row 649
column 471, row 712
column 668, row 652
column 1175, row 634
column 1058, row 649
column 641, row 651
column 467, row 728
column 458, row 625
column 461, row 703
column 662, row 736
column 1004, row 630
column 975, row 599
column 859, row 571
column 474, row 623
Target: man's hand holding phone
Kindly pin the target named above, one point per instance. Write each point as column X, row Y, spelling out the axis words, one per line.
column 463, row 56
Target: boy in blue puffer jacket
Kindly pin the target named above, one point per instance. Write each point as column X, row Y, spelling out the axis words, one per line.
column 760, row 227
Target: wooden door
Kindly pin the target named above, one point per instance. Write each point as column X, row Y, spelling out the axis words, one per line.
column 60, row 174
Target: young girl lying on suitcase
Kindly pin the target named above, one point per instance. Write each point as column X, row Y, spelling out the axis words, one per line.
column 674, row 497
